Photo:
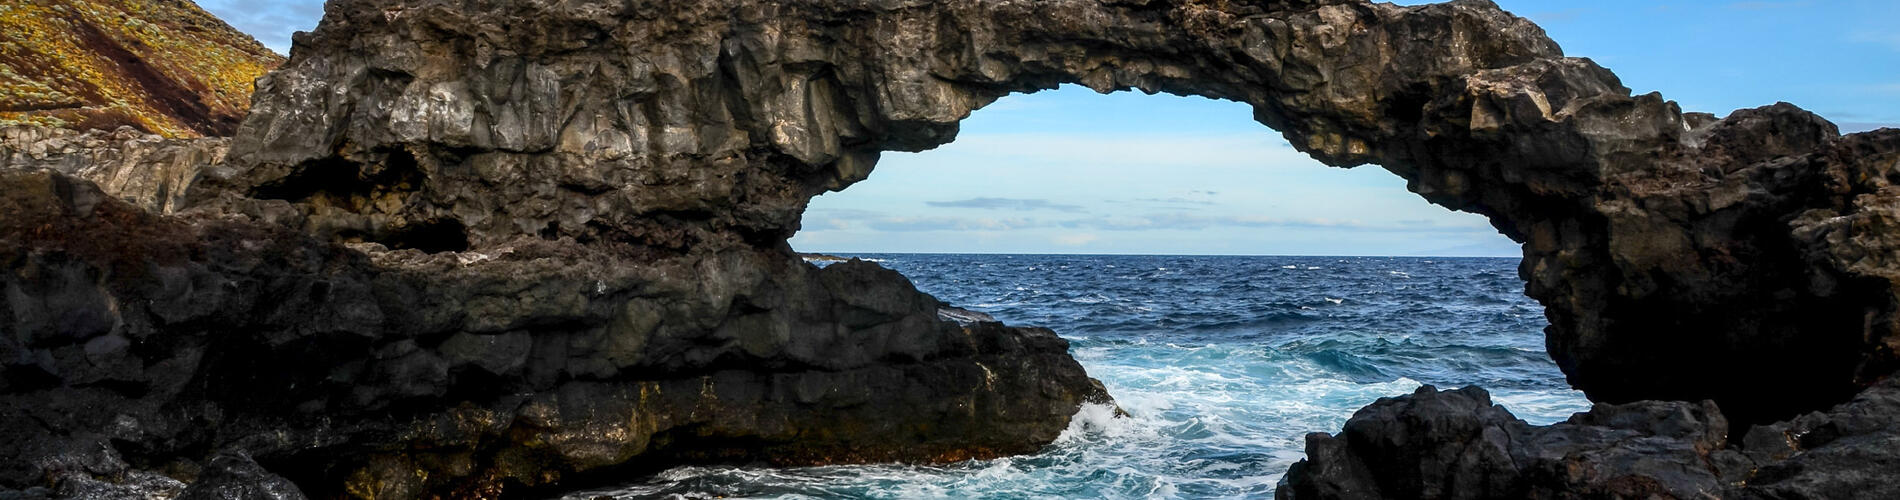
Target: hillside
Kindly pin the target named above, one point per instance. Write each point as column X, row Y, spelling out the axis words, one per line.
column 162, row 66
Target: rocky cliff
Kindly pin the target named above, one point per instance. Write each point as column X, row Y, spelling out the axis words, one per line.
column 465, row 247
column 1679, row 256
column 164, row 67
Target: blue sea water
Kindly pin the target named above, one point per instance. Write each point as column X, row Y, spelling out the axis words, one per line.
column 1224, row 364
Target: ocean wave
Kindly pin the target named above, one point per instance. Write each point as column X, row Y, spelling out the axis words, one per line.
column 1220, row 369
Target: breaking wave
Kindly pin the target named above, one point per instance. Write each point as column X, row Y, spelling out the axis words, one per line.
column 1223, row 365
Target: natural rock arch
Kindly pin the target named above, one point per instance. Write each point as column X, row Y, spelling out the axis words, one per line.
column 462, row 246
column 1679, row 256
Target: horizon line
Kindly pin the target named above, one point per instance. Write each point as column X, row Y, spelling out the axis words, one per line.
column 838, row 253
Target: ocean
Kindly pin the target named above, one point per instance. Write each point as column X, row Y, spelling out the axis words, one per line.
column 1224, row 364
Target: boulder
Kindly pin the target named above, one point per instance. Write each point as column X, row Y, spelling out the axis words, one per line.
column 1436, row 444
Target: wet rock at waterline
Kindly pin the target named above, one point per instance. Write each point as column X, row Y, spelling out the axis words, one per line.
column 1457, row 444
column 461, row 248
column 235, row 476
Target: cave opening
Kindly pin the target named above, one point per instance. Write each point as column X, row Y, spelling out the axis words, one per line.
column 365, row 183
column 352, row 183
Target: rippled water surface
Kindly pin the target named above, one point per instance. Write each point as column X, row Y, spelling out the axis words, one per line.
column 1224, row 363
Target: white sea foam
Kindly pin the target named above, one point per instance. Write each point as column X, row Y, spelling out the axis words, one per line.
column 1095, row 421
column 1541, row 408
column 1210, row 415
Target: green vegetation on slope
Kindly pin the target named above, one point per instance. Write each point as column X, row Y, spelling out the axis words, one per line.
column 163, row 66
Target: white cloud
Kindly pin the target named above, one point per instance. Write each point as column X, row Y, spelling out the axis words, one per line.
column 1230, row 150
column 853, row 220
column 1075, row 239
column 1178, row 220
column 1017, row 204
column 1888, row 38
column 850, row 220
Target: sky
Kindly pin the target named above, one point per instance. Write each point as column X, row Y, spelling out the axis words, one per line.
column 1072, row 171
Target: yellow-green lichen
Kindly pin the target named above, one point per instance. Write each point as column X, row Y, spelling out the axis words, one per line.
column 104, row 63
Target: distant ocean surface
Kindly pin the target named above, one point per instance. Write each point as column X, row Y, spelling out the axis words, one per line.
column 1224, row 363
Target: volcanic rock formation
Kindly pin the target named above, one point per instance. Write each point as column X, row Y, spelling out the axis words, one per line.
column 164, row 67
column 1456, row 444
column 146, row 170
column 138, row 344
column 463, row 247
column 1679, row 256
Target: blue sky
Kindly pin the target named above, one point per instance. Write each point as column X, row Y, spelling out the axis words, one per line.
column 1071, row 171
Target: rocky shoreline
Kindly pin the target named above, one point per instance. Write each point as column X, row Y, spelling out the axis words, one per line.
column 142, row 342
column 469, row 249
column 1457, row 444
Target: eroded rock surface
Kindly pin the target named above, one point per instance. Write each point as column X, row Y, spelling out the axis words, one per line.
column 1679, row 256
column 146, row 170
column 463, row 247
column 1457, row 444
column 140, row 343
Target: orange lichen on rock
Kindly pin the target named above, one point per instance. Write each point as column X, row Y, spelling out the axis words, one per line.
column 165, row 67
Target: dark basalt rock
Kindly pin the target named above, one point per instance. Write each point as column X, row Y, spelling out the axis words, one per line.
column 1679, row 256
column 1456, row 444
column 140, row 343
column 464, row 247
column 234, row 476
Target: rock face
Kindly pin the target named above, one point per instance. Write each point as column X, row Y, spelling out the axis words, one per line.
column 461, row 247
column 1679, row 256
column 139, row 343
column 146, row 170
column 1456, row 444
column 162, row 66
